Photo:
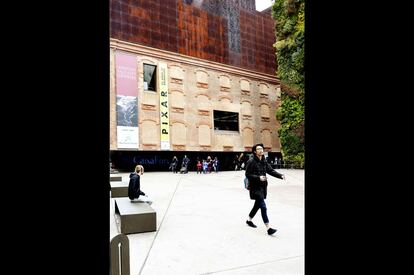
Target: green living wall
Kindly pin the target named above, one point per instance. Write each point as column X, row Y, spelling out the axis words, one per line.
column 290, row 41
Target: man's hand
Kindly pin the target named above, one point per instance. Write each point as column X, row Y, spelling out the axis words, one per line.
column 283, row 177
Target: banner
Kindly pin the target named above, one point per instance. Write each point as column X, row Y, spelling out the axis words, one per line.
column 164, row 119
column 126, row 100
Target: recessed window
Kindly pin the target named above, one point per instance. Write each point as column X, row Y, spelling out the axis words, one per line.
column 226, row 121
column 150, row 76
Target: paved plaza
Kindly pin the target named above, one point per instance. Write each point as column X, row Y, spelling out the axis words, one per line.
column 201, row 225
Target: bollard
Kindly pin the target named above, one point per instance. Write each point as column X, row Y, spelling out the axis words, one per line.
column 119, row 255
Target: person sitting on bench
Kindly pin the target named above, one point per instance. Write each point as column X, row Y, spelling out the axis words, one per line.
column 134, row 188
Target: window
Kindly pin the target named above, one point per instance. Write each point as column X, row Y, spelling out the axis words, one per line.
column 150, row 76
column 226, row 121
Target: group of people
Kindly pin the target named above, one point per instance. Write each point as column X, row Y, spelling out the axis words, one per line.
column 256, row 169
column 203, row 166
column 206, row 166
column 184, row 165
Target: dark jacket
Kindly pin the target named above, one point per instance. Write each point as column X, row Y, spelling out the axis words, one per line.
column 174, row 163
column 134, row 187
column 254, row 169
column 185, row 162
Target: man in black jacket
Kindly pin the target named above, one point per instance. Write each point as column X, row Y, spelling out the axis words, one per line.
column 134, row 188
column 256, row 169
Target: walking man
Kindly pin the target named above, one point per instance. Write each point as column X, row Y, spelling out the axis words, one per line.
column 256, row 169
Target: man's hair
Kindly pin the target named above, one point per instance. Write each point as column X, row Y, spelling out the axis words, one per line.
column 254, row 147
column 139, row 169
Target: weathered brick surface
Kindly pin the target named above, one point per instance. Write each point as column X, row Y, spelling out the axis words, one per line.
column 194, row 94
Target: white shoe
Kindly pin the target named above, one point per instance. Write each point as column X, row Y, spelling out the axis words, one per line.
column 137, row 200
column 142, row 199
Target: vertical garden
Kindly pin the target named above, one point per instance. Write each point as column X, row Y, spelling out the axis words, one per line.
column 290, row 52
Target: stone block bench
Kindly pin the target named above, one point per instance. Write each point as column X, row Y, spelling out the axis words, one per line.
column 119, row 189
column 135, row 217
column 115, row 178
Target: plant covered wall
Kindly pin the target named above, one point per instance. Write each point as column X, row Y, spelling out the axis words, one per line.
column 290, row 52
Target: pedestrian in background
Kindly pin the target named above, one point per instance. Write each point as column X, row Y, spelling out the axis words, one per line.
column 173, row 165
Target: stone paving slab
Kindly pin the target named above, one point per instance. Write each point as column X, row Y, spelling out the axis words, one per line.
column 201, row 226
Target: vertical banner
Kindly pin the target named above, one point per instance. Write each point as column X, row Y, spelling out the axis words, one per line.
column 126, row 100
column 164, row 119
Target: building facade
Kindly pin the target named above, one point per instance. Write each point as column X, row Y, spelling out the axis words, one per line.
column 193, row 78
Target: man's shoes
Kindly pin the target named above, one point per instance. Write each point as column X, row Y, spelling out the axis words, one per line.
column 271, row 231
column 251, row 224
column 136, row 200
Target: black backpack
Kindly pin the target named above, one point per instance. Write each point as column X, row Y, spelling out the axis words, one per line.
column 247, row 183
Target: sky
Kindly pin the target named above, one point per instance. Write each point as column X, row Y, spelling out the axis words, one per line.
column 263, row 4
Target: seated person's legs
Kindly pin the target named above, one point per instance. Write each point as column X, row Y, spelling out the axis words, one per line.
column 143, row 198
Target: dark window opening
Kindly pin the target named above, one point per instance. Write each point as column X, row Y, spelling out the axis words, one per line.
column 228, row 121
column 150, row 74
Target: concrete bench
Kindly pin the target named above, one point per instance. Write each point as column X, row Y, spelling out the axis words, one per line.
column 116, row 178
column 119, row 189
column 135, row 217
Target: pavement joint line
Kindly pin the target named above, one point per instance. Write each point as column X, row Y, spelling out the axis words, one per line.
column 159, row 229
column 245, row 266
column 295, row 178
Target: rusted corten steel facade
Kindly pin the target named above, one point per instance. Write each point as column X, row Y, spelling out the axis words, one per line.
column 224, row 31
column 220, row 56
